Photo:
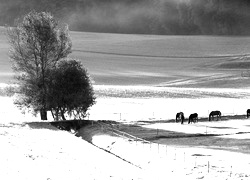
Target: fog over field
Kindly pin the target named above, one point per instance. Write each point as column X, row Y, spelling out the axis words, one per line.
column 171, row 17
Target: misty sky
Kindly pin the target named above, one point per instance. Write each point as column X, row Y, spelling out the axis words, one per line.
column 216, row 17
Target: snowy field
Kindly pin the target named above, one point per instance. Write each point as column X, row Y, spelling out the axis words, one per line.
column 135, row 103
column 163, row 161
column 47, row 153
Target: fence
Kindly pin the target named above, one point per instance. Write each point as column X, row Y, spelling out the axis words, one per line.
column 126, row 116
column 149, row 116
column 160, row 158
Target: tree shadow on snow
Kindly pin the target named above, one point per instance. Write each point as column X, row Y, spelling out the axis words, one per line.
column 41, row 125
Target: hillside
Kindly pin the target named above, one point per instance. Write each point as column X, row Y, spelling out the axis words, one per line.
column 213, row 17
column 43, row 152
column 175, row 61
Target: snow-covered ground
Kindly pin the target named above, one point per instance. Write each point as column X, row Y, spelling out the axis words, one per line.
column 228, row 127
column 133, row 103
column 135, row 109
column 47, row 153
column 163, row 162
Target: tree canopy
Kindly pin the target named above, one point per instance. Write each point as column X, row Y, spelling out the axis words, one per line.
column 37, row 42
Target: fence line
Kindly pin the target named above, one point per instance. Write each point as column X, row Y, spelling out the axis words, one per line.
column 167, row 154
column 147, row 116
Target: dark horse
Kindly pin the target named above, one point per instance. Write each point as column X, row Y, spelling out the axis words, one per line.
column 248, row 113
column 180, row 116
column 193, row 118
column 214, row 113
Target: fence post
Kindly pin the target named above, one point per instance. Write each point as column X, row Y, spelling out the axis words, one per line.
column 174, row 154
column 208, row 166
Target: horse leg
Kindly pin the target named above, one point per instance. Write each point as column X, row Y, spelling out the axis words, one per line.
column 177, row 118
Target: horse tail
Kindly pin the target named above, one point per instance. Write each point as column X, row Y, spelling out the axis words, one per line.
column 209, row 119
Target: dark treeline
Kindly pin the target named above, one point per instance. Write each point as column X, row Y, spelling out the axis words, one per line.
column 209, row 17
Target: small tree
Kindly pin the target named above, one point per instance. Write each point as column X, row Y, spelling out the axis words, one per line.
column 37, row 44
column 70, row 90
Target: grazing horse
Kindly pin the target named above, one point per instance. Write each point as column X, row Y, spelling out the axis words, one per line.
column 193, row 118
column 248, row 113
column 180, row 116
column 214, row 113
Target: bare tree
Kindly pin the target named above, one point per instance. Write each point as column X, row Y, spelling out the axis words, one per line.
column 38, row 42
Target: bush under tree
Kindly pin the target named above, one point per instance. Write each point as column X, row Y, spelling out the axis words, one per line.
column 70, row 90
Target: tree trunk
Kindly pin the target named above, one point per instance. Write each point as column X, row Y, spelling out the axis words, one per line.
column 55, row 114
column 43, row 114
column 63, row 117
